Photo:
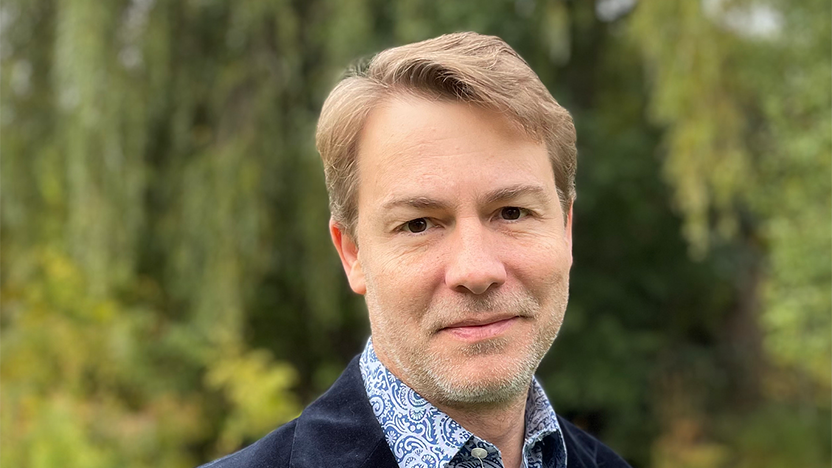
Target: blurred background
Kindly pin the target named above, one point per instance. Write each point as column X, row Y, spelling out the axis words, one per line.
column 170, row 294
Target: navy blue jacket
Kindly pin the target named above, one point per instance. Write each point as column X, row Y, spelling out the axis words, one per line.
column 339, row 429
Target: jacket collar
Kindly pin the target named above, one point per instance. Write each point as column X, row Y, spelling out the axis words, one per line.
column 340, row 429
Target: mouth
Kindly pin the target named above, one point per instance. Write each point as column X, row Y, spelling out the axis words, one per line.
column 479, row 329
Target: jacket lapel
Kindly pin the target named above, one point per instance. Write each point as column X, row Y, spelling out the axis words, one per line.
column 340, row 429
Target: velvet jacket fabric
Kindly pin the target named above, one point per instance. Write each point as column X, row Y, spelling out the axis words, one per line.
column 339, row 429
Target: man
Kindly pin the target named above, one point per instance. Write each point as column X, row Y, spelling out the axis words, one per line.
column 450, row 170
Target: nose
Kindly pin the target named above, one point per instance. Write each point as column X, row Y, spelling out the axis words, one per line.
column 474, row 265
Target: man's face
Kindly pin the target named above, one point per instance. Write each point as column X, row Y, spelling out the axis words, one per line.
column 463, row 251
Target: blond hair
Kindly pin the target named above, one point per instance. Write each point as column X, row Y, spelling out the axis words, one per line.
column 462, row 67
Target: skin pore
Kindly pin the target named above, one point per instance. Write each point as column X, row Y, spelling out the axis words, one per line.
column 464, row 258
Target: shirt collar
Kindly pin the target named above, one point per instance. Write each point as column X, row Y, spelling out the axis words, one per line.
column 419, row 434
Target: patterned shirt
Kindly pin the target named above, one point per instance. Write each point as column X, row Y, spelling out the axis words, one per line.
column 420, row 435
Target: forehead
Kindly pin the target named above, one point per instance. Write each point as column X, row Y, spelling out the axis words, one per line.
column 410, row 118
column 413, row 147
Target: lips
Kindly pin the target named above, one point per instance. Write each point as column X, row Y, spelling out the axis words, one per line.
column 480, row 329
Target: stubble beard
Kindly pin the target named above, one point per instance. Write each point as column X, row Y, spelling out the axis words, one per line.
column 442, row 378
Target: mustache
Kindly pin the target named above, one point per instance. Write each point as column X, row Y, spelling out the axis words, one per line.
column 449, row 310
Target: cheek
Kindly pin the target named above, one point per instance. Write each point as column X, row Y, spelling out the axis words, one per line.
column 409, row 268
column 400, row 284
column 541, row 265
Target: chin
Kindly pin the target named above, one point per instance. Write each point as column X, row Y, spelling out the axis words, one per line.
column 481, row 377
column 476, row 390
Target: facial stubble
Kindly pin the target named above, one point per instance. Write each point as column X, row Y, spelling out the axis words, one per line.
column 445, row 378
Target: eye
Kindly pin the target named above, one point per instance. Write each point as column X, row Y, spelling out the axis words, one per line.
column 416, row 225
column 512, row 213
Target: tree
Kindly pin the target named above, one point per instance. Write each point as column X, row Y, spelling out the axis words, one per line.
column 169, row 293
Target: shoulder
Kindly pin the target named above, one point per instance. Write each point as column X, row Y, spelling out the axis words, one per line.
column 272, row 451
column 339, row 424
column 584, row 450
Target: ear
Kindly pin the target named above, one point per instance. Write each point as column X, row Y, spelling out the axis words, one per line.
column 568, row 231
column 348, row 251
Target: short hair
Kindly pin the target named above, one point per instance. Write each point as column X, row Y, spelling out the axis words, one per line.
column 461, row 67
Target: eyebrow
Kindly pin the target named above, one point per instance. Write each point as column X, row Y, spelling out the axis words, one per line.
column 490, row 198
column 513, row 192
column 415, row 202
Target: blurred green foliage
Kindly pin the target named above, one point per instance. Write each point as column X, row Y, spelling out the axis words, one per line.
column 169, row 293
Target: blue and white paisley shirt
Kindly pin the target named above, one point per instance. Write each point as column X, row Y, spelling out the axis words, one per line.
column 420, row 435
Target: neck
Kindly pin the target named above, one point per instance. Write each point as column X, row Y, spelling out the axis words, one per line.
column 502, row 425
